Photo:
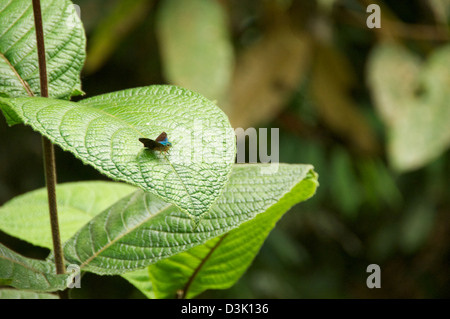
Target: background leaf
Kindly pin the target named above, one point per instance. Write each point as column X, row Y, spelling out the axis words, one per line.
column 104, row 131
column 112, row 30
column 343, row 180
column 30, row 274
column 329, row 250
column 195, row 46
column 64, row 44
column 141, row 229
column 140, row 279
column 266, row 75
column 415, row 227
column 441, row 10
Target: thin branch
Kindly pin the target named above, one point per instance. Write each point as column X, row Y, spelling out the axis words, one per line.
column 48, row 150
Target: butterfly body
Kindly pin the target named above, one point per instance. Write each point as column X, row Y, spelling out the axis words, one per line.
column 161, row 143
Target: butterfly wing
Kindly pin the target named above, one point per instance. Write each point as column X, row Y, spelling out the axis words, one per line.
column 149, row 143
column 161, row 143
column 162, row 138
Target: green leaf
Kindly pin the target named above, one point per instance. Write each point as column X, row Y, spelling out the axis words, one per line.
column 26, row 216
column 24, row 294
column 140, row 279
column 267, row 73
column 104, row 132
column 337, row 107
column 195, row 46
column 344, row 179
column 412, row 98
column 29, row 274
column 64, row 45
column 141, row 229
column 220, row 262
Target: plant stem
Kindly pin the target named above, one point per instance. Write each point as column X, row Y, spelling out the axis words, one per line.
column 48, row 150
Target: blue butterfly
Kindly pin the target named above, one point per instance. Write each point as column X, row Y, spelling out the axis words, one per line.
column 161, row 143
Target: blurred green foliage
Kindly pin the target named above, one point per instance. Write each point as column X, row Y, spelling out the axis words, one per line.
column 369, row 108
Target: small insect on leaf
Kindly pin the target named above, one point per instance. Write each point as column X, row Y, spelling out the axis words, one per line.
column 161, row 143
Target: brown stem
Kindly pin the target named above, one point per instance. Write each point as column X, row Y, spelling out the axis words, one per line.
column 48, row 150
column 393, row 27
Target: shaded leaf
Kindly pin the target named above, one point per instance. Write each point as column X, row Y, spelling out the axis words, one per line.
column 141, row 280
column 110, row 32
column 331, row 84
column 415, row 227
column 266, row 75
column 378, row 184
column 344, row 179
column 441, row 10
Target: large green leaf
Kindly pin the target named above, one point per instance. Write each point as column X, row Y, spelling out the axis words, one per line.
column 142, row 229
column 195, row 46
column 29, row 274
column 413, row 99
column 220, row 262
column 64, row 44
column 26, row 216
column 104, row 131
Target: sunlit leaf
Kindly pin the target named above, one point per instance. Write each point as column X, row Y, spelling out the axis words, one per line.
column 104, row 131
